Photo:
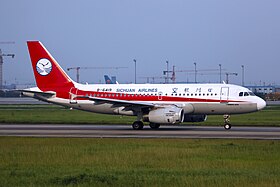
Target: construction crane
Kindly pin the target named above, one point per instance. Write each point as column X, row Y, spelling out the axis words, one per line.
column 227, row 74
column 7, row 42
column 173, row 77
column 197, row 72
column 148, row 78
column 78, row 70
column 1, row 64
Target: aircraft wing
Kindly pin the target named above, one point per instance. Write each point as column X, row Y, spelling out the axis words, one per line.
column 119, row 103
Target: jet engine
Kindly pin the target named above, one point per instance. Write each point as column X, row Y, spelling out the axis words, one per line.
column 194, row 118
column 166, row 115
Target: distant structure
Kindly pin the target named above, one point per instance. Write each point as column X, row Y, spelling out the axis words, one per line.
column 263, row 89
column 79, row 68
column 1, row 67
column 113, row 79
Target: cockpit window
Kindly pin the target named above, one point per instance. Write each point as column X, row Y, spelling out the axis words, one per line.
column 251, row 94
column 246, row 94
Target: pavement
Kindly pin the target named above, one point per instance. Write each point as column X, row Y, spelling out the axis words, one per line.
column 126, row 131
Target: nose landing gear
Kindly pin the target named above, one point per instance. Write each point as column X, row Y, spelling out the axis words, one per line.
column 227, row 125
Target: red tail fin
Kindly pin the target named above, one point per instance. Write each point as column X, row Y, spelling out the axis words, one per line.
column 48, row 74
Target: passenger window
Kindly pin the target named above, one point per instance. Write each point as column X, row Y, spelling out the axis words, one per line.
column 241, row 94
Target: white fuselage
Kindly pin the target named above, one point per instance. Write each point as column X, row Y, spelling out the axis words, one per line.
column 193, row 98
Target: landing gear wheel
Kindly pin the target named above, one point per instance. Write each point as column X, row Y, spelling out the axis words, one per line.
column 154, row 125
column 227, row 126
column 138, row 125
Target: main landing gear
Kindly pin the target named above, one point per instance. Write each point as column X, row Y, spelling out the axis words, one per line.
column 227, row 125
column 138, row 125
column 154, row 125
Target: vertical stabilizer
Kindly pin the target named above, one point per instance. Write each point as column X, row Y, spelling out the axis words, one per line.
column 48, row 74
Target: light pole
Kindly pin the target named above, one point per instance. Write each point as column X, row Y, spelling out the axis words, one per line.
column 220, row 65
column 195, row 72
column 134, row 70
column 242, row 75
column 167, row 68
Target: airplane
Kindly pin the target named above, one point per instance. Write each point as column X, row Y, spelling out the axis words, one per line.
column 157, row 104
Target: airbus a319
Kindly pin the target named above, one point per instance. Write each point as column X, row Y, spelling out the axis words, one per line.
column 154, row 103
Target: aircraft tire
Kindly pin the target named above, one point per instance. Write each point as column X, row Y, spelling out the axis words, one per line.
column 138, row 125
column 154, row 125
column 227, row 126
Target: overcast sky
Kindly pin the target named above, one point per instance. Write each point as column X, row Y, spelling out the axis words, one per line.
column 111, row 33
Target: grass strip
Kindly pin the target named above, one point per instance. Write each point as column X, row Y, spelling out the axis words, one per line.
column 138, row 162
column 51, row 114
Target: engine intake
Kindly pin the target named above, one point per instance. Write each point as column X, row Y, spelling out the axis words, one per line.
column 168, row 115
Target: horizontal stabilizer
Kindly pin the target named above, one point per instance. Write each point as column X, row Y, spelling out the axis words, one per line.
column 37, row 94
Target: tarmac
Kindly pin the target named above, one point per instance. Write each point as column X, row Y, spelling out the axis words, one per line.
column 126, row 131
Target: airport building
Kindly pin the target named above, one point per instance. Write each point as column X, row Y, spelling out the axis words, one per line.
column 263, row 89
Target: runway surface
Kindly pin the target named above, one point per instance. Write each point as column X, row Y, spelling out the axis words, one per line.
column 126, row 131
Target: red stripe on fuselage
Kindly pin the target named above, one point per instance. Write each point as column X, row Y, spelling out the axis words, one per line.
column 137, row 97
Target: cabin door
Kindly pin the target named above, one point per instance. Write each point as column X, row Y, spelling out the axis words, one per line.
column 224, row 94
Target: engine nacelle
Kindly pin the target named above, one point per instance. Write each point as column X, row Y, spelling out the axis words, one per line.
column 168, row 115
column 194, row 118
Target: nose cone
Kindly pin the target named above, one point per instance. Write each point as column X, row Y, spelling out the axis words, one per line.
column 261, row 104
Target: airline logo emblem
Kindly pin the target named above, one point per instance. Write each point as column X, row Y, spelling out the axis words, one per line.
column 44, row 66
